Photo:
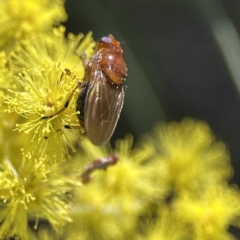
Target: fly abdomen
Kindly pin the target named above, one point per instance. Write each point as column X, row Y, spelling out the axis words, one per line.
column 81, row 100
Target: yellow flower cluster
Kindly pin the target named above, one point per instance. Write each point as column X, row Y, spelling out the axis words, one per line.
column 39, row 72
column 173, row 185
column 56, row 185
column 21, row 19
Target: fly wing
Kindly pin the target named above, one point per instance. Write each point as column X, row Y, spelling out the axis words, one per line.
column 103, row 106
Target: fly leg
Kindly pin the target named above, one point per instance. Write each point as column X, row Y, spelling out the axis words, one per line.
column 68, row 100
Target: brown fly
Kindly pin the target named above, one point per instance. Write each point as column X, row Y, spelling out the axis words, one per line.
column 101, row 98
column 101, row 95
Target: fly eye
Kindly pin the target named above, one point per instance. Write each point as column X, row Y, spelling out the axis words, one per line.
column 106, row 40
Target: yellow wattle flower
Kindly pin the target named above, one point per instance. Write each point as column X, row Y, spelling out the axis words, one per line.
column 48, row 69
column 167, row 226
column 33, row 190
column 189, row 156
column 44, row 93
column 211, row 212
column 54, row 47
column 21, row 19
column 133, row 182
column 109, row 205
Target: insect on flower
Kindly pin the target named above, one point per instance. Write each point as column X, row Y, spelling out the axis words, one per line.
column 101, row 95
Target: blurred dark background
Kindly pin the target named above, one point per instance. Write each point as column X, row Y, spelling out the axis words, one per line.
column 182, row 60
